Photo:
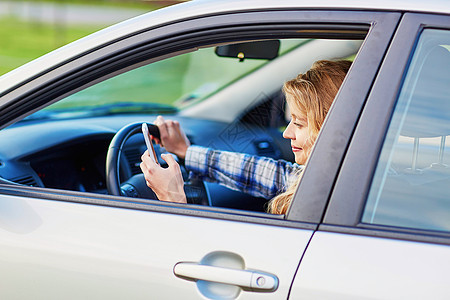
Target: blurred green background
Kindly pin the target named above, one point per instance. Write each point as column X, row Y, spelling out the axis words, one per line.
column 29, row 29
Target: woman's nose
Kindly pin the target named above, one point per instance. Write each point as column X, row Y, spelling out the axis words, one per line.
column 287, row 133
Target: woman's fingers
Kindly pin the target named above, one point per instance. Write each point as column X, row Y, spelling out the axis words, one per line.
column 167, row 128
column 171, row 162
column 167, row 183
column 173, row 132
column 147, row 167
column 147, row 159
column 172, row 137
column 162, row 126
column 159, row 120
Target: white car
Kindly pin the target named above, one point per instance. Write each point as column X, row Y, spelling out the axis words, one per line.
column 370, row 218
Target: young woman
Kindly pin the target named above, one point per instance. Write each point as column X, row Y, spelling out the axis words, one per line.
column 308, row 96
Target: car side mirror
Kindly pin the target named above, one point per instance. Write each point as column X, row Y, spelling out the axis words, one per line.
column 250, row 50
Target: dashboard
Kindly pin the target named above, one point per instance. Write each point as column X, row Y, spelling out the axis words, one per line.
column 71, row 154
column 78, row 167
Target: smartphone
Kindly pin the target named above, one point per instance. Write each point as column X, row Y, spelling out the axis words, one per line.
column 148, row 142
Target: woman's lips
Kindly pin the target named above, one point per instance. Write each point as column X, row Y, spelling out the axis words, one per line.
column 295, row 149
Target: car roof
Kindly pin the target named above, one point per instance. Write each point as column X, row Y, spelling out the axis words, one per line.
column 198, row 8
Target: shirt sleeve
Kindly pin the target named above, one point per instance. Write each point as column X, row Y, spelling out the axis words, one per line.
column 255, row 175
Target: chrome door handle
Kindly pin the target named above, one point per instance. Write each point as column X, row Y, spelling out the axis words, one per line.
column 248, row 279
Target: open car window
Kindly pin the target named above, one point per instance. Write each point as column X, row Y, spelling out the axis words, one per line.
column 223, row 100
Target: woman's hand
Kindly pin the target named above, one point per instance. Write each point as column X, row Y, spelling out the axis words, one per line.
column 167, row 183
column 173, row 137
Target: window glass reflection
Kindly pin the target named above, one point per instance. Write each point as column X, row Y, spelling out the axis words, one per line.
column 411, row 186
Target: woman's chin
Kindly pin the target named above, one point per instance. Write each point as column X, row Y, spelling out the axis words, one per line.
column 300, row 160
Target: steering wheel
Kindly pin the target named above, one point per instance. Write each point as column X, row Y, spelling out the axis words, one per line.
column 195, row 189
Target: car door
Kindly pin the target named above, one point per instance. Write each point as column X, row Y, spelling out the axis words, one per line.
column 386, row 232
column 58, row 244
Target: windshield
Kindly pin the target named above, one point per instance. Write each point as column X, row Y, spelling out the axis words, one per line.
column 163, row 87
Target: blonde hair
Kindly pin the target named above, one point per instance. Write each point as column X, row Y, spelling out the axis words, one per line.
column 312, row 93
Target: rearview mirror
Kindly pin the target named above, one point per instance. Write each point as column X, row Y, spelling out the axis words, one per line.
column 250, row 50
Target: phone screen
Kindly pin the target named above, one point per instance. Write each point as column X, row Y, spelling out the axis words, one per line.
column 148, row 142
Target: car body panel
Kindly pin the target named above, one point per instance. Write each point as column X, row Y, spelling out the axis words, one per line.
column 57, row 243
column 345, row 266
column 106, row 252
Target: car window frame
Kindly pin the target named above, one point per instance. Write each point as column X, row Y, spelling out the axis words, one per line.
column 99, row 64
column 349, row 196
column 317, row 183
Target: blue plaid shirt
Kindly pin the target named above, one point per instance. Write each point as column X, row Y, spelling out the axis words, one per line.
column 259, row 176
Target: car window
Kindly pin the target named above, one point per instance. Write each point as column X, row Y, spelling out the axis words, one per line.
column 411, row 185
column 221, row 100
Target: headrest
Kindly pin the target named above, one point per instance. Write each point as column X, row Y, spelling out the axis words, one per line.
column 428, row 114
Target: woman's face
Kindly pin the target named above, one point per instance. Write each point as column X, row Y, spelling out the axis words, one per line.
column 299, row 134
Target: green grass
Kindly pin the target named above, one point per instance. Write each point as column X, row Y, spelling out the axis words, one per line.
column 21, row 42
